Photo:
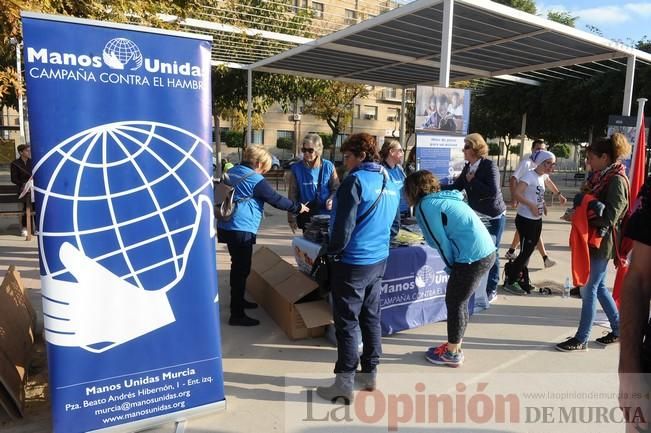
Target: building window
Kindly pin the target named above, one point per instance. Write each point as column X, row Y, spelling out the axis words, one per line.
column 351, row 17
column 318, row 10
column 257, row 136
column 392, row 114
column 357, row 111
column 299, row 4
column 370, row 112
column 285, row 134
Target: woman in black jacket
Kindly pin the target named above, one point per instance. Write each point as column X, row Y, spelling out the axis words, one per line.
column 480, row 179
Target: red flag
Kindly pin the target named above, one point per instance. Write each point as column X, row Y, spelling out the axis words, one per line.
column 637, row 180
column 638, row 164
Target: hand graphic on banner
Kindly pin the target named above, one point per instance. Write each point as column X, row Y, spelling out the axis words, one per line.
column 101, row 310
column 100, row 307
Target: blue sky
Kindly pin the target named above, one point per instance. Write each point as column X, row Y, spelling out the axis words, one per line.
column 620, row 20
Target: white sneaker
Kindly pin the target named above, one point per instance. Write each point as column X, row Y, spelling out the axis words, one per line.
column 549, row 262
column 23, row 232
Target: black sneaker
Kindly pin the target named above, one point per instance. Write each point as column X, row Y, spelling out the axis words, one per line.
column 243, row 321
column 607, row 339
column 249, row 305
column 572, row 345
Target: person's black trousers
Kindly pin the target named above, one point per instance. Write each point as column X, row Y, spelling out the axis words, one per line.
column 356, row 302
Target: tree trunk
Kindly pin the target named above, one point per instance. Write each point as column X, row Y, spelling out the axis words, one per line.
column 218, row 146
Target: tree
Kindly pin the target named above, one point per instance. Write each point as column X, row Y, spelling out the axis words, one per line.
column 333, row 103
column 326, row 139
column 144, row 12
column 561, row 150
column 285, row 143
column 234, row 139
column 523, row 5
column 562, row 17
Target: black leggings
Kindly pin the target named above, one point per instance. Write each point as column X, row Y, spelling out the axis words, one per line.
column 464, row 277
column 529, row 231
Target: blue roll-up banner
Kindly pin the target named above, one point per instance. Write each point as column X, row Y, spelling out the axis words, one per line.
column 120, row 120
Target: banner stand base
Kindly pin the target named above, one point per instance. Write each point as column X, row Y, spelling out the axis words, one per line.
column 180, row 427
column 178, row 418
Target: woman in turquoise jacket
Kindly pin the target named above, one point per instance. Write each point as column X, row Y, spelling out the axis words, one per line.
column 450, row 226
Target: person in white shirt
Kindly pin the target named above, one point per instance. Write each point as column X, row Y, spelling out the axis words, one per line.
column 530, row 194
column 526, row 165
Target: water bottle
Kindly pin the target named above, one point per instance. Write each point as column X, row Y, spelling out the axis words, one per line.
column 567, row 287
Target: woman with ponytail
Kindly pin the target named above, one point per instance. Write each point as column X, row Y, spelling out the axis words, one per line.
column 610, row 185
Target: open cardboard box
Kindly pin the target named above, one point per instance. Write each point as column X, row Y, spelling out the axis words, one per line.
column 288, row 296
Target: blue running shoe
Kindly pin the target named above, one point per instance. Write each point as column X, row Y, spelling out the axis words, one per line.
column 442, row 356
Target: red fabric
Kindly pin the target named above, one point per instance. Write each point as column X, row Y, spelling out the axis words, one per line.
column 582, row 237
column 637, row 180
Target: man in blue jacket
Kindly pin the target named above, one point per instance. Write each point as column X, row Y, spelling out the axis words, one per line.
column 364, row 208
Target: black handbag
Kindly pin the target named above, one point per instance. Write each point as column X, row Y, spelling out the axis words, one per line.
column 322, row 267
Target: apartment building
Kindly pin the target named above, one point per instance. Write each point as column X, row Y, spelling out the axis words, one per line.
column 377, row 114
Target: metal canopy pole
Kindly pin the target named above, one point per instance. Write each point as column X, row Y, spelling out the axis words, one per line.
column 628, row 87
column 403, row 115
column 249, row 105
column 446, row 43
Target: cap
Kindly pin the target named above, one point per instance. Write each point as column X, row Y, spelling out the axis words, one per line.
column 542, row 155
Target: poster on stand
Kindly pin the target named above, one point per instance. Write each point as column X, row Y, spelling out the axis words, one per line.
column 627, row 125
column 442, row 117
column 120, row 120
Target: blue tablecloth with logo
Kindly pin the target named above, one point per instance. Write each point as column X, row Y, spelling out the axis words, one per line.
column 413, row 287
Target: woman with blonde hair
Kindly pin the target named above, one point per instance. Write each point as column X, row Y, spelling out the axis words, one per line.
column 251, row 192
column 312, row 181
column 611, row 187
column 480, row 179
column 450, row 226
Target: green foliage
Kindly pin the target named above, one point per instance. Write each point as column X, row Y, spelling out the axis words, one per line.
column 234, row 139
column 561, row 150
column 143, row 12
column 285, row 143
column 493, row 149
column 523, row 5
column 514, row 149
column 562, row 17
column 333, row 102
column 326, row 139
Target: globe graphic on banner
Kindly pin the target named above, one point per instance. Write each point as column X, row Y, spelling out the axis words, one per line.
column 128, row 196
column 121, row 53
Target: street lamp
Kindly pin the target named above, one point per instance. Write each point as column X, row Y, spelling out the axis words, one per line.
column 19, row 92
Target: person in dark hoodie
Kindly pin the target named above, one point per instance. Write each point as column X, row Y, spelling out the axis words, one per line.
column 480, row 179
column 364, row 207
column 251, row 192
column 450, row 226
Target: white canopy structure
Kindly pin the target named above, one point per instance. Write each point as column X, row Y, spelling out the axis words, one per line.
column 446, row 41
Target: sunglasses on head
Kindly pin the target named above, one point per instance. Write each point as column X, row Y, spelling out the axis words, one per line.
column 306, row 150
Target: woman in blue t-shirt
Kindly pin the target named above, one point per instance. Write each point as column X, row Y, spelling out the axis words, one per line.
column 312, row 181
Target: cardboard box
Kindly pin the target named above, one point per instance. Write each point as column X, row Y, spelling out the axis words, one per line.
column 17, row 330
column 288, row 296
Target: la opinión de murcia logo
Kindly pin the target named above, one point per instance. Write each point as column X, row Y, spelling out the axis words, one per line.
column 118, row 54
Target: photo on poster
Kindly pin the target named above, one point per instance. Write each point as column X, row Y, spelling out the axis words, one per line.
column 442, row 110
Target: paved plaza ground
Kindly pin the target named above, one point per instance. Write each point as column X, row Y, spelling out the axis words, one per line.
column 509, row 346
